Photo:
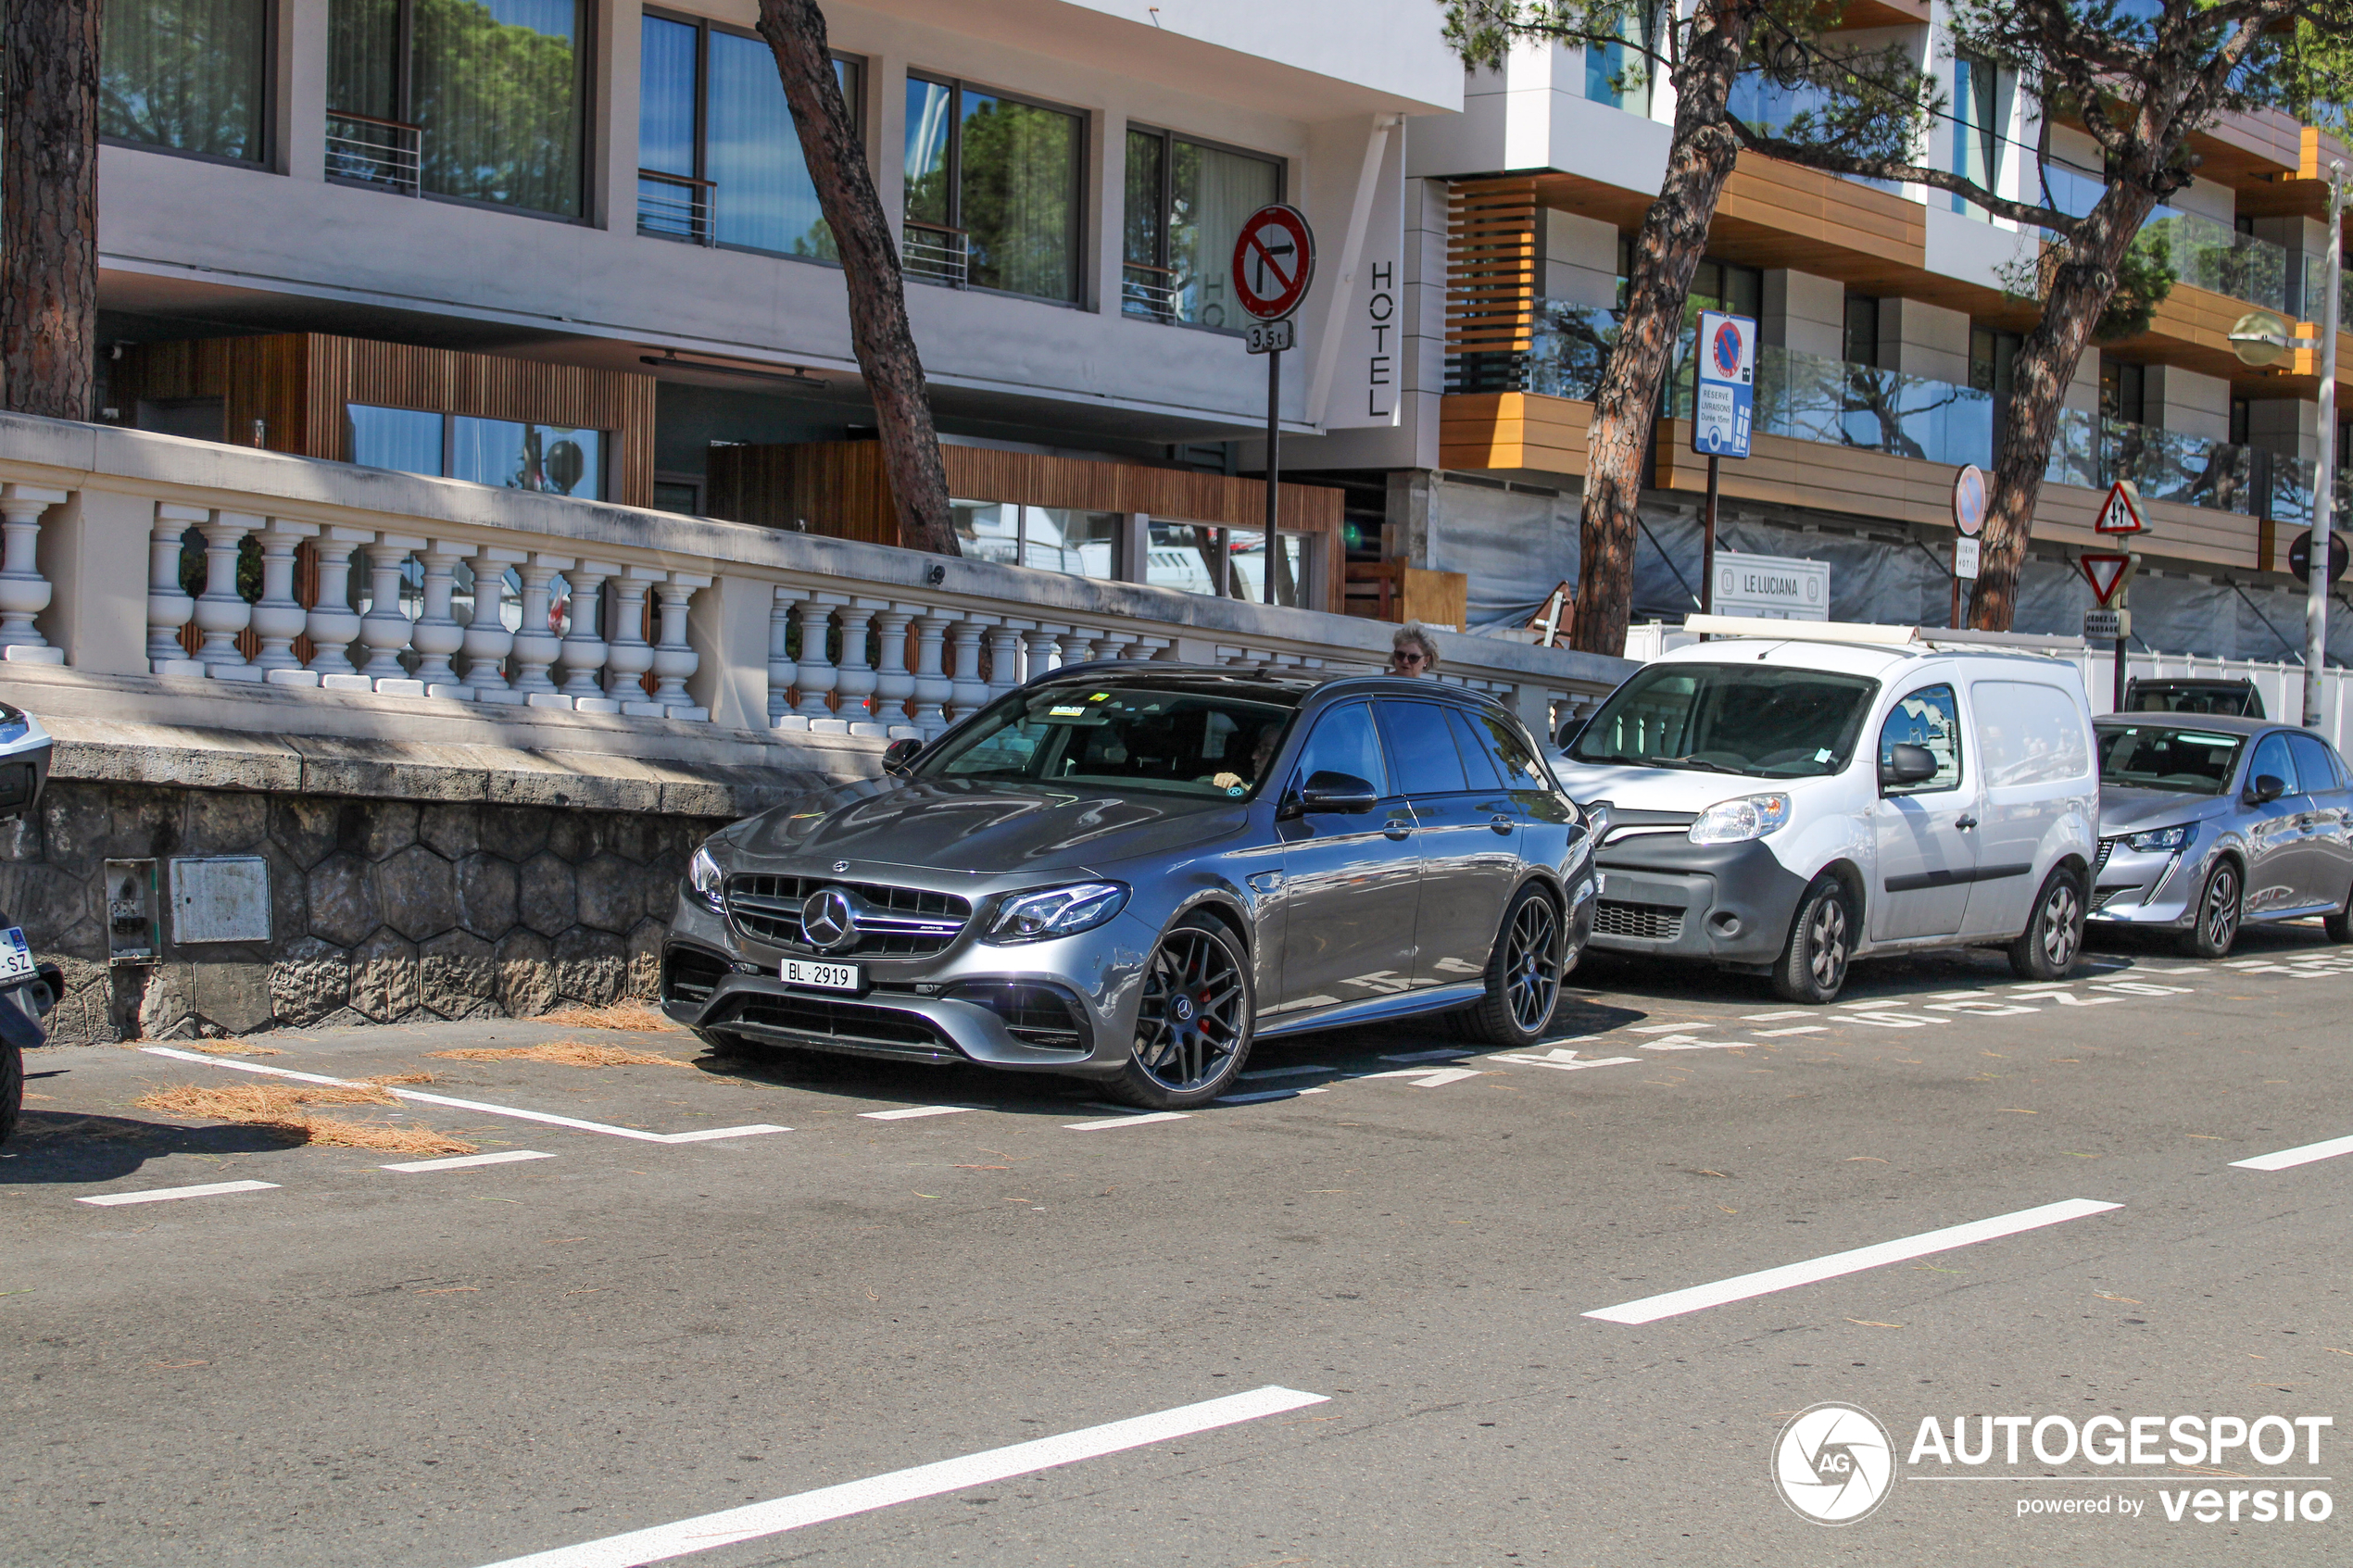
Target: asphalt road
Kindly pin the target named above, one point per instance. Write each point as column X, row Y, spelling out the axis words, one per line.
column 451, row 1368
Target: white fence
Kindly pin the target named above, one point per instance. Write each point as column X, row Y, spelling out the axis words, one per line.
column 693, row 619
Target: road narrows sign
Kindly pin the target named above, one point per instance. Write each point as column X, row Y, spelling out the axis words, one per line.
column 2121, row 513
column 2108, row 572
column 1274, row 261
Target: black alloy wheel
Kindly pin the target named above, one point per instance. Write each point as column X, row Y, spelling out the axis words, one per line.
column 1821, row 941
column 2217, row 914
column 2047, row 948
column 1194, row 1025
column 1523, row 975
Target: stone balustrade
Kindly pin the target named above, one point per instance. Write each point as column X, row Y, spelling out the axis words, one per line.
column 435, row 590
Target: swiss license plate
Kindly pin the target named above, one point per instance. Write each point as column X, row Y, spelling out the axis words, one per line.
column 16, row 959
column 824, row 976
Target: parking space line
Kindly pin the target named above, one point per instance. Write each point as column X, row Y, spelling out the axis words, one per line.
column 1135, row 1120
column 635, row 1134
column 908, row 1112
column 1764, row 1282
column 163, row 1195
column 1777, row 1017
column 1669, row 1028
column 463, row 1161
column 1453, row 1053
column 754, row 1521
column 1793, row 1029
column 2288, row 1158
column 1566, row 1061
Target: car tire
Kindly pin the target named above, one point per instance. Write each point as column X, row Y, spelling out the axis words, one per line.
column 1821, row 944
column 2215, row 918
column 1195, row 1022
column 2052, row 939
column 2339, row 926
column 11, row 1088
column 1524, row 973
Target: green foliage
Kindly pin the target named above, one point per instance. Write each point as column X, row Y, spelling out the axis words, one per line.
column 2144, row 278
column 501, row 109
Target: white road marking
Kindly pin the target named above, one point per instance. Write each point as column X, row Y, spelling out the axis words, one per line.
column 908, row 1112
column 2287, row 1158
column 1255, row 1095
column 1566, row 1061
column 1793, row 1029
column 1890, row 1018
column 1134, row 1120
column 1428, row 1056
column 421, row 1097
column 1650, row 1309
column 1685, row 1043
column 1424, row 1079
column 1985, row 1007
column 2193, row 969
column 754, row 1521
column 1668, row 1028
column 1287, row 1071
column 1777, row 1017
column 463, row 1160
column 162, row 1194
column 1951, row 996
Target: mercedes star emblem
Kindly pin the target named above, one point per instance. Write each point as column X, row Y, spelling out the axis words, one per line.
column 840, row 866
column 828, row 921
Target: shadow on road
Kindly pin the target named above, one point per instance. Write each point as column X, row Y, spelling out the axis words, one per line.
column 59, row 1146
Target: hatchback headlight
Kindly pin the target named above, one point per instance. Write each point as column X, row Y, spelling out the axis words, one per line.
column 1058, row 911
column 708, row 881
column 1737, row 821
column 2160, row 838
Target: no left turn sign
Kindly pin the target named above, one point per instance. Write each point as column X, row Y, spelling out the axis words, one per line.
column 1274, row 261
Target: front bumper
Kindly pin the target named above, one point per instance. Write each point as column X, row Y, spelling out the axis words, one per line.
column 2154, row 889
column 1731, row 903
column 1062, row 1006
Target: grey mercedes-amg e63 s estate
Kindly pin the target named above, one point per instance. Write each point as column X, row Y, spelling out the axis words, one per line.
column 1129, row 872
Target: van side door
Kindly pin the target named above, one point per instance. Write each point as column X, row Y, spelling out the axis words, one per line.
column 2035, row 755
column 1924, row 831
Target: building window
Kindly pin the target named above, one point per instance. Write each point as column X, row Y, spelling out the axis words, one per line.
column 189, row 75
column 1185, row 203
column 479, row 100
column 992, row 190
column 719, row 159
column 509, row 454
column 1618, row 75
column 1083, row 543
column 1862, row 330
column 1993, row 358
column 1229, row 563
column 1977, row 147
column 2122, row 394
column 1723, row 285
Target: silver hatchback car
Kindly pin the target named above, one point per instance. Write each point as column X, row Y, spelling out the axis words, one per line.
column 1131, row 871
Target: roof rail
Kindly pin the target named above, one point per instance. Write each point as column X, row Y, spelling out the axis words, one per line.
column 1872, row 636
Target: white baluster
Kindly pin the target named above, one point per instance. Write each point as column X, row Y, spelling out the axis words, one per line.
column 933, row 688
column 277, row 619
column 894, row 683
column 437, row 635
column 24, row 593
column 674, row 657
column 383, row 630
column 536, row 642
column 169, row 605
column 487, row 641
column 817, row 674
column 628, row 653
column 966, row 689
column 1004, row 656
column 854, row 676
column 584, row 647
column 781, row 667
column 221, row 609
column 332, row 624
column 1045, row 645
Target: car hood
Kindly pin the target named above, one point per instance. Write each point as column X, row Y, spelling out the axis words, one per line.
column 2139, row 810
column 987, row 829
column 1667, row 789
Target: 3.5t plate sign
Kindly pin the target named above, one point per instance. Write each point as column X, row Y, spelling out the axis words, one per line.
column 1274, row 261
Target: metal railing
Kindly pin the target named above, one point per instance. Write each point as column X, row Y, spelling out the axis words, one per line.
column 365, row 150
column 676, row 207
column 937, row 253
column 1149, row 291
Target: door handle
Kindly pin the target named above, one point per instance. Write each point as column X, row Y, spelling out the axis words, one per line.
column 1501, row 823
column 1397, row 827
column 1964, row 825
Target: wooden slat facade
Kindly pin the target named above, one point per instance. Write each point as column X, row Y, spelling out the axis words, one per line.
column 1492, row 257
column 1512, row 430
column 298, row 382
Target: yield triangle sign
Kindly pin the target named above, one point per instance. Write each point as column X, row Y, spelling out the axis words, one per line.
column 2109, row 573
column 2121, row 513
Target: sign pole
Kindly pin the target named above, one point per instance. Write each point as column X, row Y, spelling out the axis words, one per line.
column 1274, row 443
column 2116, row 694
column 1953, row 616
column 2316, row 609
column 1708, row 543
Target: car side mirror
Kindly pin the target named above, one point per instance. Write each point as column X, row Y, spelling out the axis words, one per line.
column 1907, row 765
column 2266, row 788
column 49, row 989
column 900, row 755
column 1570, row 730
column 1338, row 792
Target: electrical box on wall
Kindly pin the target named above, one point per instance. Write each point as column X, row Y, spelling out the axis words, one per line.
column 219, row 898
column 134, row 933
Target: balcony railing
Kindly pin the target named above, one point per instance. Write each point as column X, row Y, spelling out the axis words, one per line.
column 1150, row 292
column 365, row 150
column 675, row 206
column 2214, row 255
column 937, row 253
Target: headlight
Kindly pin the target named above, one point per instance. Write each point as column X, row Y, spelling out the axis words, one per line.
column 1059, row 911
column 1736, row 822
column 705, row 877
column 2163, row 838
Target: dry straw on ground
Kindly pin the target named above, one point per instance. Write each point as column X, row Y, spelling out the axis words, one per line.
column 284, row 1107
column 234, row 1048
column 633, row 1015
column 564, row 1053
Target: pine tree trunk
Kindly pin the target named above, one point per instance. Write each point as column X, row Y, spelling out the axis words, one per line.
column 2081, row 285
column 879, row 332
column 49, row 220
column 1674, row 236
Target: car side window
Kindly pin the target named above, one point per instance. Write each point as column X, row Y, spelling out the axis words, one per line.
column 1521, row 771
column 2313, row 764
column 1423, row 749
column 1345, row 742
column 1486, row 769
column 2270, row 756
column 1930, row 719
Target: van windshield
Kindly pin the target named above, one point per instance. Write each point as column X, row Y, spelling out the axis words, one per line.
column 1765, row 721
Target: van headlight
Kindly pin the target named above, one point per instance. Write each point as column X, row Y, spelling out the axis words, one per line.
column 2158, row 839
column 708, row 881
column 1737, row 821
column 1058, row 911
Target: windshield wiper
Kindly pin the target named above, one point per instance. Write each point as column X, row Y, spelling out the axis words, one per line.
column 1694, row 762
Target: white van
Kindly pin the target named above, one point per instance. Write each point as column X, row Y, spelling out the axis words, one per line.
column 1790, row 797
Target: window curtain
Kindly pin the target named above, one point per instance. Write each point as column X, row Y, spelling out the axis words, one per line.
column 1210, row 194
column 930, row 104
column 1975, row 127
column 497, row 90
column 185, row 74
column 666, row 96
column 765, row 200
column 1019, row 197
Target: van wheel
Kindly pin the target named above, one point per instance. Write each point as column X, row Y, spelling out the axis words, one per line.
column 2217, row 914
column 2046, row 950
column 1194, row 1026
column 1821, row 940
column 1523, row 977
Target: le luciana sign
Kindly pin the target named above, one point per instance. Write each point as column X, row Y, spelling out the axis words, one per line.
column 1772, row 587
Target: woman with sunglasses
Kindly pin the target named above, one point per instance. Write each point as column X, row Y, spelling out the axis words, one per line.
column 1413, row 651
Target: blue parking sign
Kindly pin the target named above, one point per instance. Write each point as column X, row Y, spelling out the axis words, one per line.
column 1726, row 404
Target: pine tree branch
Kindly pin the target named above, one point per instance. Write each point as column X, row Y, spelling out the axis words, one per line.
column 1831, row 161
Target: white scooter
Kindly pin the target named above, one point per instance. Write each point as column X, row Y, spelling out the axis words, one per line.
column 28, row 990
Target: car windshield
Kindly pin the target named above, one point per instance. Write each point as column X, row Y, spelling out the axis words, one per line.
column 1125, row 737
column 1764, row 721
column 2167, row 756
